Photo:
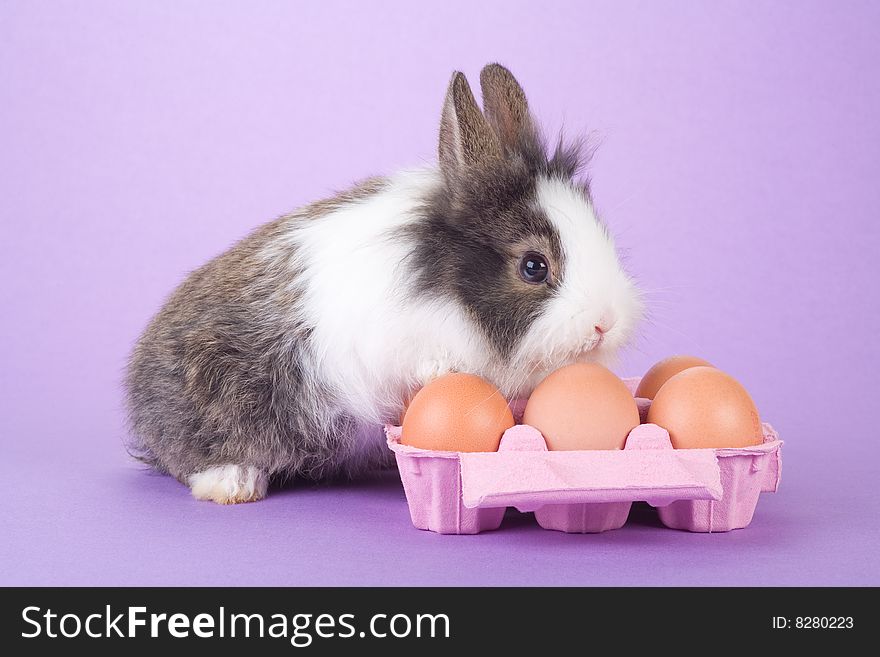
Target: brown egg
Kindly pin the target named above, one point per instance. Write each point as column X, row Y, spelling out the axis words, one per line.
column 457, row 413
column 582, row 406
column 661, row 372
column 703, row 407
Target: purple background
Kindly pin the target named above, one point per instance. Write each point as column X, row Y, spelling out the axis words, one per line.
column 738, row 166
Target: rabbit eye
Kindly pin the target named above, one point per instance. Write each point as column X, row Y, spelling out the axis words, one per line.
column 533, row 268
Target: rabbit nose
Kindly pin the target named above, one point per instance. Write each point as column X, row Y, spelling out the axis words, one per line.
column 605, row 324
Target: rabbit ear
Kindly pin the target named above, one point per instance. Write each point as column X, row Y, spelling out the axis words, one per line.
column 507, row 109
column 466, row 139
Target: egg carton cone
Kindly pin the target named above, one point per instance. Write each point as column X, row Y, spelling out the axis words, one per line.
column 698, row 490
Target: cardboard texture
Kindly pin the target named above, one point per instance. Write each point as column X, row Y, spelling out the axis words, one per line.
column 699, row 490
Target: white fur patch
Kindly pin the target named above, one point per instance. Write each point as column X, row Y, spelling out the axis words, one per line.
column 229, row 484
column 594, row 290
column 373, row 341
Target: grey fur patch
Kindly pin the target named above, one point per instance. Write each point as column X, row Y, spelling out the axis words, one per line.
column 224, row 373
column 468, row 245
column 473, row 232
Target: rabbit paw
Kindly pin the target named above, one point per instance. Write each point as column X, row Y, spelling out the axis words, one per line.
column 229, row 484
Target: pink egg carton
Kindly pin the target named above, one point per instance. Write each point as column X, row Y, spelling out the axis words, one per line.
column 699, row 490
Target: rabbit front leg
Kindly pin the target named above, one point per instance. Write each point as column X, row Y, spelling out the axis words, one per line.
column 229, row 484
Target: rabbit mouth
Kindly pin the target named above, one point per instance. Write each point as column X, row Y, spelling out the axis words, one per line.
column 594, row 344
column 589, row 349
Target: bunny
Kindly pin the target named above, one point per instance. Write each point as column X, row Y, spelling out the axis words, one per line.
column 285, row 355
